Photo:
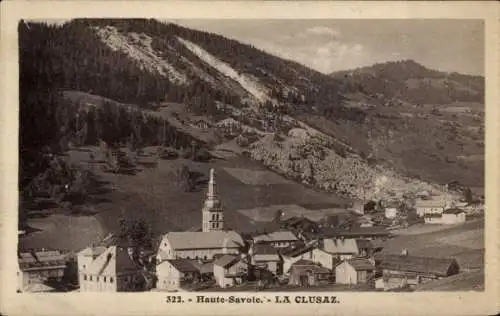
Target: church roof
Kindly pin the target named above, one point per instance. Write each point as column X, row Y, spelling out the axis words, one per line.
column 204, row 240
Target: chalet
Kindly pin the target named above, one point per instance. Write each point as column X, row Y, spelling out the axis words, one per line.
column 199, row 245
column 391, row 209
column 306, row 273
column 173, row 274
column 429, row 206
column 38, row 267
column 405, row 270
column 229, row 270
column 278, row 239
column 341, row 248
column 266, row 257
column 354, row 271
column 323, row 258
column 453, row 216
column 294, row 254
column 111, row 269
column 448, row 217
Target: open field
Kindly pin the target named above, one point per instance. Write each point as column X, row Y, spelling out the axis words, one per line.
column 267, row 213
column 466, row 281
column 255, row 177
column 155, row 195
column 463, row 242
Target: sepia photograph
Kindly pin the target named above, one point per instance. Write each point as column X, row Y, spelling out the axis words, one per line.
column 262, row 155
column 248, row 162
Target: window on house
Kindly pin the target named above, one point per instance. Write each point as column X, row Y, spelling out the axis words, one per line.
column 205, row 257
column 84, row 266
column 85, row 277
column 90, row 278
column 97, row 279
column 111, row 280
column 104, row 279
column 214, row 217
column 188, row 257
column 196, row 257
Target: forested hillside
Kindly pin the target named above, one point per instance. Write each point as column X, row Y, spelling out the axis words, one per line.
column 411, row 82
column 375, row 119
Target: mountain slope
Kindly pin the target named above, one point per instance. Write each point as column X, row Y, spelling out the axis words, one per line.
column 411, row 82
column 354, row 147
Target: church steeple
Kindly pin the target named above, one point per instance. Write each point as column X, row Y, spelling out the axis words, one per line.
column 212, row 212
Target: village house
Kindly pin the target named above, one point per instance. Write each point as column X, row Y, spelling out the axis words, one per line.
column 292, row 255
column 35, row 268
column 341, row 248
column 325, row 259
column 173, row 274
column 112, row 269
column 308, row 273
column 277, row 239
column 391, row 209
column 429, row 206
column 206, row 244
column 230, row 270
column 399, row 271
column 266, row 257
column 447, row 217
column 354, row 271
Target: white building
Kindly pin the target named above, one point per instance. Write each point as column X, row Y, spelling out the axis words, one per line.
column 111, row 269
column 434, row 206
column 37, row 267
column 341, row 248
column 354, row 271
column 173, row 274
column 198, row 245
column 447, row 217
column 229, row 270
column 212, row 212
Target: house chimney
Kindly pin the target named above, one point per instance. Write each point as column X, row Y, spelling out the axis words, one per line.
column 404, row 252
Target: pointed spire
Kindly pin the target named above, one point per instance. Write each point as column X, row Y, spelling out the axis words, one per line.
column 211, row 185
column 212, row 200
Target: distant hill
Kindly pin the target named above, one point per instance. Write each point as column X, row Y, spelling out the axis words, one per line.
column 356, row 147
column 411, row 82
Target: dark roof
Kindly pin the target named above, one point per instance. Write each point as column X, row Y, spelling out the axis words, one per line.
column 226, row 260
column 364, row 243
column 183, row 265
column 453, row 211
column 361, row 264
column 124, row 263
column 302, row 266
column 294, row 252
column 264, row 249
column 41, row 260
column 425, row 265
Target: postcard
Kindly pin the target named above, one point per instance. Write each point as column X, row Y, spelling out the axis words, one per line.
column 249, row 157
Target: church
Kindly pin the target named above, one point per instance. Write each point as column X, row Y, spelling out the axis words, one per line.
column 202, row 245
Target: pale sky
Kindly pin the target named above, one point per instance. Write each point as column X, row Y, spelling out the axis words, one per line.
column 331, row 45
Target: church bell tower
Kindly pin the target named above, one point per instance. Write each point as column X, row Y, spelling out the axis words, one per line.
column 212, row 212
